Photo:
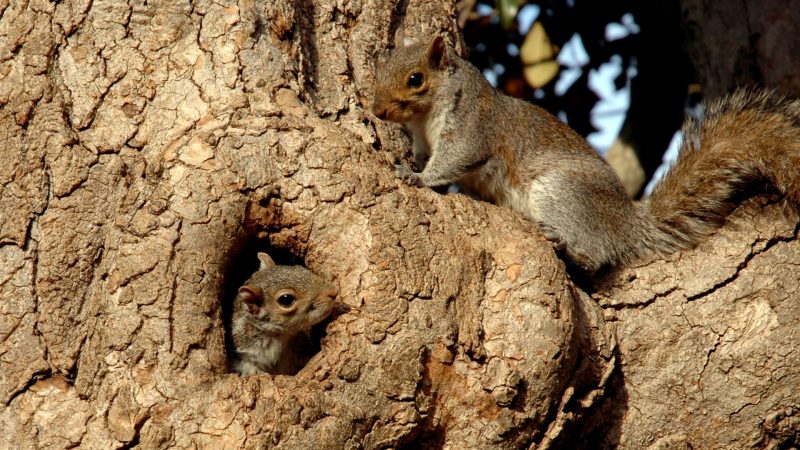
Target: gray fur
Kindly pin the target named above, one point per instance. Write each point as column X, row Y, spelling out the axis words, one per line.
column 517, row 155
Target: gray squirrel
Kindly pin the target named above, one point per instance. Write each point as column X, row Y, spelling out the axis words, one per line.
column 272, row 315
column 515, row 154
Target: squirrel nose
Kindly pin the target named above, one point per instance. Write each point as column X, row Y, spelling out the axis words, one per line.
column 330, row 293
column 380, row 113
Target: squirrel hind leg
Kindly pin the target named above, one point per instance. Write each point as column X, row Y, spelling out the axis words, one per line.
column 583, row 261
column 573, row 255
column 552, row 235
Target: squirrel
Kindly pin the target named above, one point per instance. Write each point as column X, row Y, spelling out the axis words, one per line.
column 272, row 315
column 515, row 154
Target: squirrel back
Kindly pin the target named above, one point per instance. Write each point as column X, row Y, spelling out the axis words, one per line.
column 515, row 154
column 272, row 315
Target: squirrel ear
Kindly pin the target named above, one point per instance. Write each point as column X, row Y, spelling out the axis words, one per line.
column 401, row 39
column 252, row 296
column 266, row 261
column 437, row 53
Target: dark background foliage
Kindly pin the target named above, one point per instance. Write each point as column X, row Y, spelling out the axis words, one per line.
column 682, row 50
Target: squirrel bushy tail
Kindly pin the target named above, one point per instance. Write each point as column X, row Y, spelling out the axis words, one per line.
column 743, row 140
column 516, row 155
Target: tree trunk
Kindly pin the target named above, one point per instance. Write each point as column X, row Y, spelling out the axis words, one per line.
column 150, row 151
column 743, row 43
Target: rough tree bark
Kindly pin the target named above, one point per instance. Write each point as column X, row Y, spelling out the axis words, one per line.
column 150, row 150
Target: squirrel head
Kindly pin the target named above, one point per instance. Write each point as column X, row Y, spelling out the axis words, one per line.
column 285, row 300
column 408, row 79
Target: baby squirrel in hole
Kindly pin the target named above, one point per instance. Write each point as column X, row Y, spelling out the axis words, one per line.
column 272, row 315
column 515, row 154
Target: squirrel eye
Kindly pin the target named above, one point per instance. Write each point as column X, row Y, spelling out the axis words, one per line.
column 286, row 300
column 415, row 80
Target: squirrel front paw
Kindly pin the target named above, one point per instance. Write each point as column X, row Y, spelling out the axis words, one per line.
column 406, row 174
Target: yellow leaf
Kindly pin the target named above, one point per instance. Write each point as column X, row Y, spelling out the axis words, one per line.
column 537, row 47
column 537, row 56
column 540, row 74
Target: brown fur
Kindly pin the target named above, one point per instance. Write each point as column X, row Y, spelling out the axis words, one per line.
column 744, row 140
column 272, row 337
column 515, row 154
